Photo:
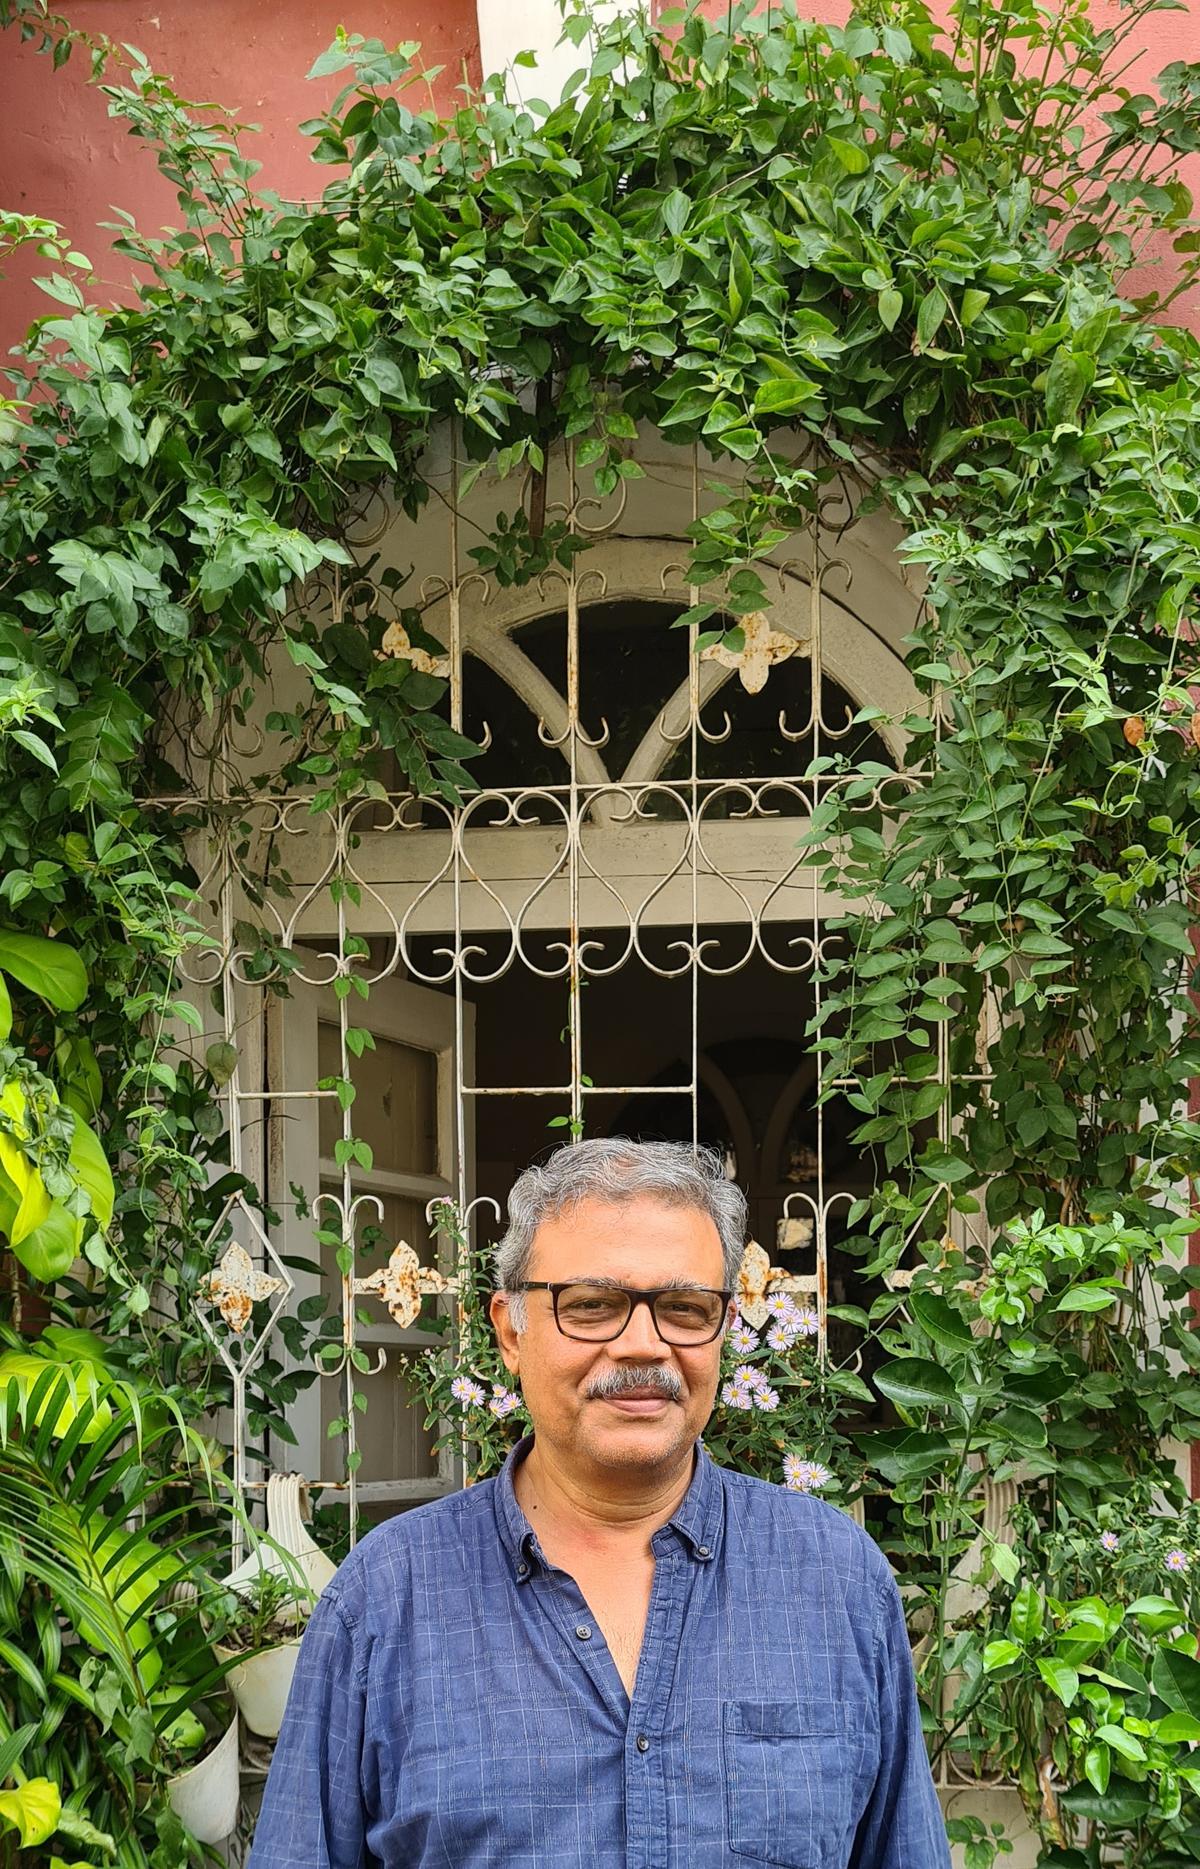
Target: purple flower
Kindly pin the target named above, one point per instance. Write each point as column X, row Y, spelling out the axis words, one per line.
column 1176, row 1560
column 1109, row 1541
column 742, row 1339
column 803, row 1476
column 782, row 1336
column 469, row 1393
column 503, row 1401
column 766, row 1399
column 737, row 1395
column 806, row 1321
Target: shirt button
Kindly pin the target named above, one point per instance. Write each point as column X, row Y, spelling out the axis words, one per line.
column 643, row 1744
column 522, row 1570
column 703, row 1551
column 583, row 1632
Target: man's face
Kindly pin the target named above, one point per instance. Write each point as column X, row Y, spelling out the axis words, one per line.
column 641, row 1242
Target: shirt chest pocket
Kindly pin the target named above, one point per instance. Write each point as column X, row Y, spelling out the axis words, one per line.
column 790, row 1772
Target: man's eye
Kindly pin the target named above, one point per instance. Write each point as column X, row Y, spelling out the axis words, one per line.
column 590, row 1307
column 685, row 1311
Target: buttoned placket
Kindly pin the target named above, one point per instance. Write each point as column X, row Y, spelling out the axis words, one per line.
column 643, row 1719
column 676, row 1571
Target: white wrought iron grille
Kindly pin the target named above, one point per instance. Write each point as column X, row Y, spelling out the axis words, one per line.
column 617, row 932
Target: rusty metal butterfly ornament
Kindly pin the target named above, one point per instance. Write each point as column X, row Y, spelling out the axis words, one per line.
column 759, row 1281
column 761, row 648
column 402, row 1283
column 398, row 646
column 236, row 1285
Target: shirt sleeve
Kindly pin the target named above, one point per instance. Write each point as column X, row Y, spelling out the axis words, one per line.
column 902, row 1826
column 313, row 1813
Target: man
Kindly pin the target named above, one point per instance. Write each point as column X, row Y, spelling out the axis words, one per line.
column 615, row 1655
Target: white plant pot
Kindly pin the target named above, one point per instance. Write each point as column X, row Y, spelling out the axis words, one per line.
column 205, row 1797
column 260, row 1684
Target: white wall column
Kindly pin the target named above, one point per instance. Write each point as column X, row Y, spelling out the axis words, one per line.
column 507, row 27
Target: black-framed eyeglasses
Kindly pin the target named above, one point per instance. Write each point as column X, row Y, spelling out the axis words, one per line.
column 684, row 1315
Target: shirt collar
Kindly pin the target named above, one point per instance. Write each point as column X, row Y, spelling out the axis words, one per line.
column 700, row 1516
column 516, row 1533
column 699, row 1519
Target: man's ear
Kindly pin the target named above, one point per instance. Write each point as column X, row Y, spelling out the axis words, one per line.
column 506, row 1336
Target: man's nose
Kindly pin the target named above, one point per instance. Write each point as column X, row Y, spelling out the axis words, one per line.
column 640, row 1340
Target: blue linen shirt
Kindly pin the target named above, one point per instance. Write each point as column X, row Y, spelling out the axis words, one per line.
column 455, row 1705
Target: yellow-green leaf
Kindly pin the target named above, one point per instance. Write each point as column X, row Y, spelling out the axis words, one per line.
column 51, row 969
column 852, row 156
column 32, row 1811
column 35, row 1201
column 27, row 1369
column 89, row 1165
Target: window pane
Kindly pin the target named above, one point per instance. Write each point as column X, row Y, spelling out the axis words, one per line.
column 391, row 1434
column 395, row 1109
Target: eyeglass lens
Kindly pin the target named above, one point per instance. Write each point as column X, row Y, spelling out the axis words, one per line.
column 599, row 1313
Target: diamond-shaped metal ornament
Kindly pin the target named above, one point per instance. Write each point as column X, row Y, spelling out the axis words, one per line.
column 238, row 1282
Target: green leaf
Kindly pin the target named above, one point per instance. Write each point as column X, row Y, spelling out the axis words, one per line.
column 1176, row 1679
column 745, row 443
column 1093, row 1296
column 1005, row 1562
column 1097, row 1767
column 32, row 744
column 1060, row 1678
column 1123, row 1806
column 48, row 1249
column 782, row 395
column 741, row 280
column 23, row 1665
column 940, row 1321
column 1026, row 1617
column 1156, row 1613
column 946, row 1168
column 1175, row 1728
column 973, row 302
column 221, row 1059
column 901, row 1454
column 1065, row 387
column 913, row 1382
column 930, row 313
column 890, row 304
column 5, row 1011
column 1018, row 1425
column 89, row 1165
column 1127, row 1744
column 676, row 209
column 1000, row 1654
column 852, row 156
column 51, row 969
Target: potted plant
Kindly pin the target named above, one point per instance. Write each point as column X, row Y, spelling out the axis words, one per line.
column 203, row 1792
column 256, row 1626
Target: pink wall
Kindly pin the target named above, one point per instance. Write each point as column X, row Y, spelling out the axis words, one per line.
column 61, row 157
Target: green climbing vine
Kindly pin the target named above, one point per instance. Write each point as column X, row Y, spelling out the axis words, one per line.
column 915, row 256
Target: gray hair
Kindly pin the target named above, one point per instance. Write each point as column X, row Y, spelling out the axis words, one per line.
column 617, row 1169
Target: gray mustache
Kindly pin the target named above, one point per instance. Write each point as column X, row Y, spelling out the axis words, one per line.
column 624, row 1379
